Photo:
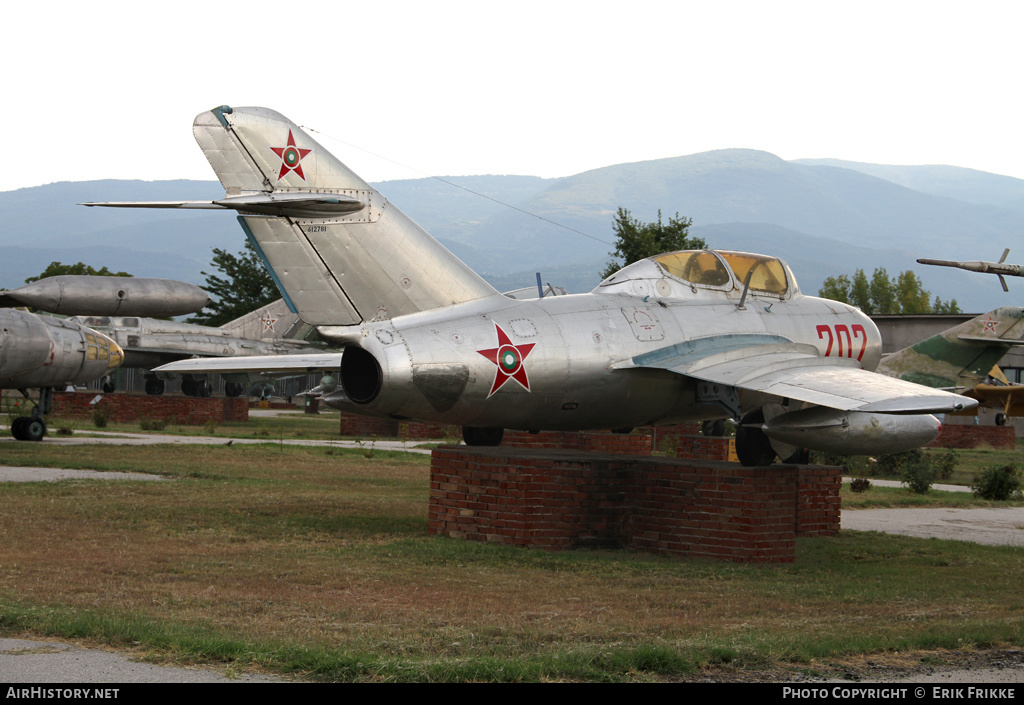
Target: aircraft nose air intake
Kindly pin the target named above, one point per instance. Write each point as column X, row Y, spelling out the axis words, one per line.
column 115, row 356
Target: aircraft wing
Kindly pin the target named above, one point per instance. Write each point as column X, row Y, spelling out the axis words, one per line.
column 998, row 395
column 797, row 371
column 267, row 365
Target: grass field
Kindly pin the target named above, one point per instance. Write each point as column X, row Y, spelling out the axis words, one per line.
column 316, row 563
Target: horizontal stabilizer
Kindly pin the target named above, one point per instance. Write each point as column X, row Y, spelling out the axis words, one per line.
column 291, row 204
column 1001, row 341
column 269, row 365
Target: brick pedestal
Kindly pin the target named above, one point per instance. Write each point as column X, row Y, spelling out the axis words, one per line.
column 972, row 436
column 559, row 500
column 128, row 408
column 596, row 441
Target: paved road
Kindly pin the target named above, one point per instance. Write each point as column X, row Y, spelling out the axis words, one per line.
column 34, row 662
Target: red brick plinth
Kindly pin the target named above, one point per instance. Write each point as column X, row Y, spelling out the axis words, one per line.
column 128, row 408
column 972, row 436
column 596, row 441
column 567, row 499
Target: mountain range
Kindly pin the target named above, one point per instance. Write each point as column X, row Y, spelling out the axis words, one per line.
column 823, row 216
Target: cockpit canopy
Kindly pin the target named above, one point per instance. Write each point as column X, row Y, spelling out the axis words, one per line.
column 714, row 269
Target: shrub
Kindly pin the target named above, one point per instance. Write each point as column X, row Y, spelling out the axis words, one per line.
column 99, row 418
column 896, row 463
column 148, row 424
column 850, row 464
column 860, row 484
column 919, row 476
column 945, row 463
column 998, row 483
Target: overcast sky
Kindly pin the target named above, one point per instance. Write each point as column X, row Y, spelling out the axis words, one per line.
column 408, row 89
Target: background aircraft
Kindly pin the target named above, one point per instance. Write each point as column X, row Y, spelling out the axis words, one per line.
column 149, row 343
column 679, row 337
column 44, row 353
column 965, row 358
column 73, row 294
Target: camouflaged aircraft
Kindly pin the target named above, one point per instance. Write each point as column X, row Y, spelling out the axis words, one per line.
column 683, row 336
column 964, row 359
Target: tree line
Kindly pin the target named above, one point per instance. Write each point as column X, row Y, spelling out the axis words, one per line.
column 883, row 294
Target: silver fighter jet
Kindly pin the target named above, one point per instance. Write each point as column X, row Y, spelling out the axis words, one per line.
column 149, row 343
column 43, row 352
column 683, row 336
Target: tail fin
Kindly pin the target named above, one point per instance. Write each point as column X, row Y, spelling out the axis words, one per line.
column 961, row 356
column 271, row 322
column 339, row 252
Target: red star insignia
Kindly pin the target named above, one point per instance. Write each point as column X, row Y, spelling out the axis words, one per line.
column 509, row 360
column 268, row 323
column 291, row 157
column 990, row 325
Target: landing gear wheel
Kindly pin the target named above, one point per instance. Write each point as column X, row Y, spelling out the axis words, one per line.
column 1000, row 419
column 28, row 428
column 752, row 446
column 108, row 386
column 34, row 430
column 155, row 387
column 232, row 389
column 474, row 436
column 18, row 428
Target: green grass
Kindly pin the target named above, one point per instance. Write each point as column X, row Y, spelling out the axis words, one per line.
column 316, row 563
column 879, row 497
column 324, row 426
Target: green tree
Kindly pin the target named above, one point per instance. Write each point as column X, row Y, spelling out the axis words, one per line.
column 635, row 240
column 883, row 298
column 860, row 291
column 836, row 288
column 884, row 294
column 56, row 269
column 245, row 286
column 910, row 296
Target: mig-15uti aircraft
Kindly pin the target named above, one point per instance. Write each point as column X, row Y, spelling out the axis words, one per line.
column 44, row 352
column 684, row 336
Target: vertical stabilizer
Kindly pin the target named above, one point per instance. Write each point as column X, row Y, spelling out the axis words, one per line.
column 269, row 322
column 339, row 252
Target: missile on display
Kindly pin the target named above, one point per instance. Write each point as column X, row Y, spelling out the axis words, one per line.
column 1000, row 269
column 72, row 294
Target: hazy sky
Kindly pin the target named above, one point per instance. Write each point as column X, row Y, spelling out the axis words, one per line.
column 109, row 89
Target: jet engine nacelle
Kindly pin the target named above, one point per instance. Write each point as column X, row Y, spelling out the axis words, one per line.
column 381, row 380
column 852, row 432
